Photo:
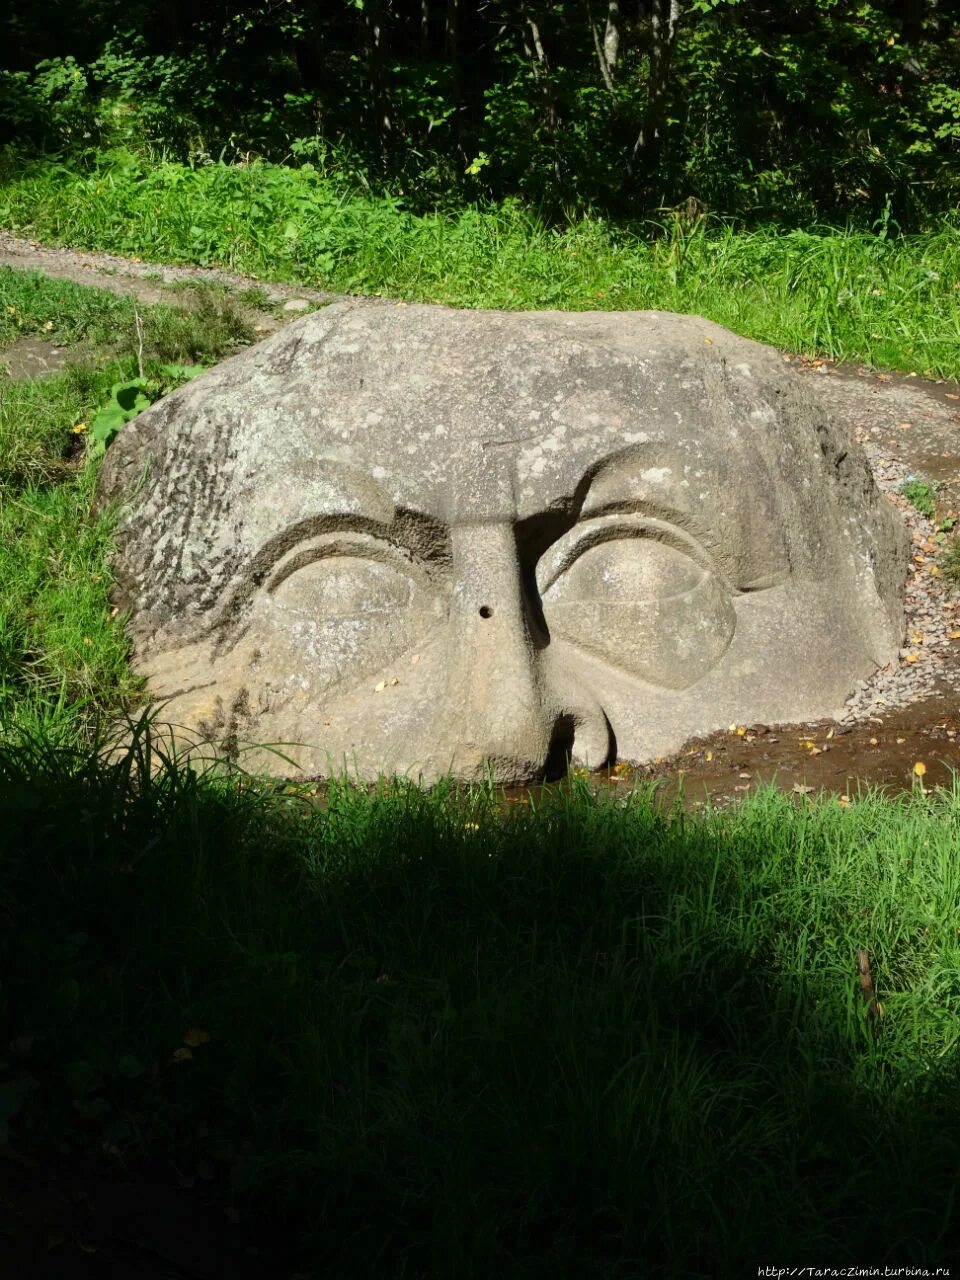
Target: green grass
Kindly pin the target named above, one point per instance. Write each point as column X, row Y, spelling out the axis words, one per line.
column 850, row 295
column 63, row 655
column 582, row 1039
column 205, row 321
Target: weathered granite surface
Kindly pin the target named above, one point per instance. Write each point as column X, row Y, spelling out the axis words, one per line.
column 409, row 538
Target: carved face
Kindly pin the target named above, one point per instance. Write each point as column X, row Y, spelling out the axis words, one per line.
column 420, row 540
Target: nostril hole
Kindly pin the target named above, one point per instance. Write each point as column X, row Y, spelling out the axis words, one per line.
column 486, row 611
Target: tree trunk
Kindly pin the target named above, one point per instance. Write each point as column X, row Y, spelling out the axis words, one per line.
column 611, row 36
column 609, row 47
column 375, row 42
column 540, row 66
column 452, row 46
column 664, row 23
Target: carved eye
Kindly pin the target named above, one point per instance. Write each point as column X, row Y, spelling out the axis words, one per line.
column 340, row 586
column 644, row 604
column 342, row 609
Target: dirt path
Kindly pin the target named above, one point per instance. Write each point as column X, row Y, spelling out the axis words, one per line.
column 143, row 280
column 908, row 712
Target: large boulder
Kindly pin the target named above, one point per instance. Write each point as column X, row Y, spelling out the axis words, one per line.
column 412, row 539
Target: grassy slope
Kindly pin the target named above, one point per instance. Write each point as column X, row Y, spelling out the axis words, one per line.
column 892, row 302
column 62, row 650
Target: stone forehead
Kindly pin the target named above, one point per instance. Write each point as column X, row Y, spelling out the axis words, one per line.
column 481, row 414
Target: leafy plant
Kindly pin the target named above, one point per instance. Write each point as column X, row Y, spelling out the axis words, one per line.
column 922, row 494
column 130, row 398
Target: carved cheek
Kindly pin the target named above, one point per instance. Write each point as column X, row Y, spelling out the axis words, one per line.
column 644, row 607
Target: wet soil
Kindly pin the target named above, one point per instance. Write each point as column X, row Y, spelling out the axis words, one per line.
column 32, row 358
column 909, row 426
column 913, row 746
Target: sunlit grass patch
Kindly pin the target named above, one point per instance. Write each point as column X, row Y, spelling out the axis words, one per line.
column 63, row 655
column 850, row 295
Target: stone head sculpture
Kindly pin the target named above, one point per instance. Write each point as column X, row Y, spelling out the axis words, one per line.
column 411, row 539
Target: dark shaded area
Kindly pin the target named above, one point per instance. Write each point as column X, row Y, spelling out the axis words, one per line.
column 406, row 1036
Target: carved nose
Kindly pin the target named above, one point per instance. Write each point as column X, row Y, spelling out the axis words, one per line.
column 505, row 698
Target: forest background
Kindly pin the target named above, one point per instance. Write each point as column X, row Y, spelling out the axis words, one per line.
column 818, row 111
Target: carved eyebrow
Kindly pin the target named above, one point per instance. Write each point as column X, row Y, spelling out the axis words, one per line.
column 655, row 465
column 425, row 540
column 692, row 523
column 640, row 528
column 648, row 480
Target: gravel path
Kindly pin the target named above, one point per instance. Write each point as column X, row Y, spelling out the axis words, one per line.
column 130, row 276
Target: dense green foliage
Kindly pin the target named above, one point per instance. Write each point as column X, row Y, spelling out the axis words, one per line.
column 814, row 109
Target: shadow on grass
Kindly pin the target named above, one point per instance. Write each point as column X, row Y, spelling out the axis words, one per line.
column 418, row 1036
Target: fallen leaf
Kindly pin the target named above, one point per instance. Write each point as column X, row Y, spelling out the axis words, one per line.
column 905, row 426
column 919, row 768
column 414, row 659
column 741, row 730
column 901, row 741
column 844, row 800
column 708, row 342
column 951, row 395
column 182, row 1054
column 911, row 657
column 195, row 1037
column 709, row 756
column 830, row 734
column 379, row 688
column 815, row 751
column 874, row 742
column 955, row 635
column 801, row 790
